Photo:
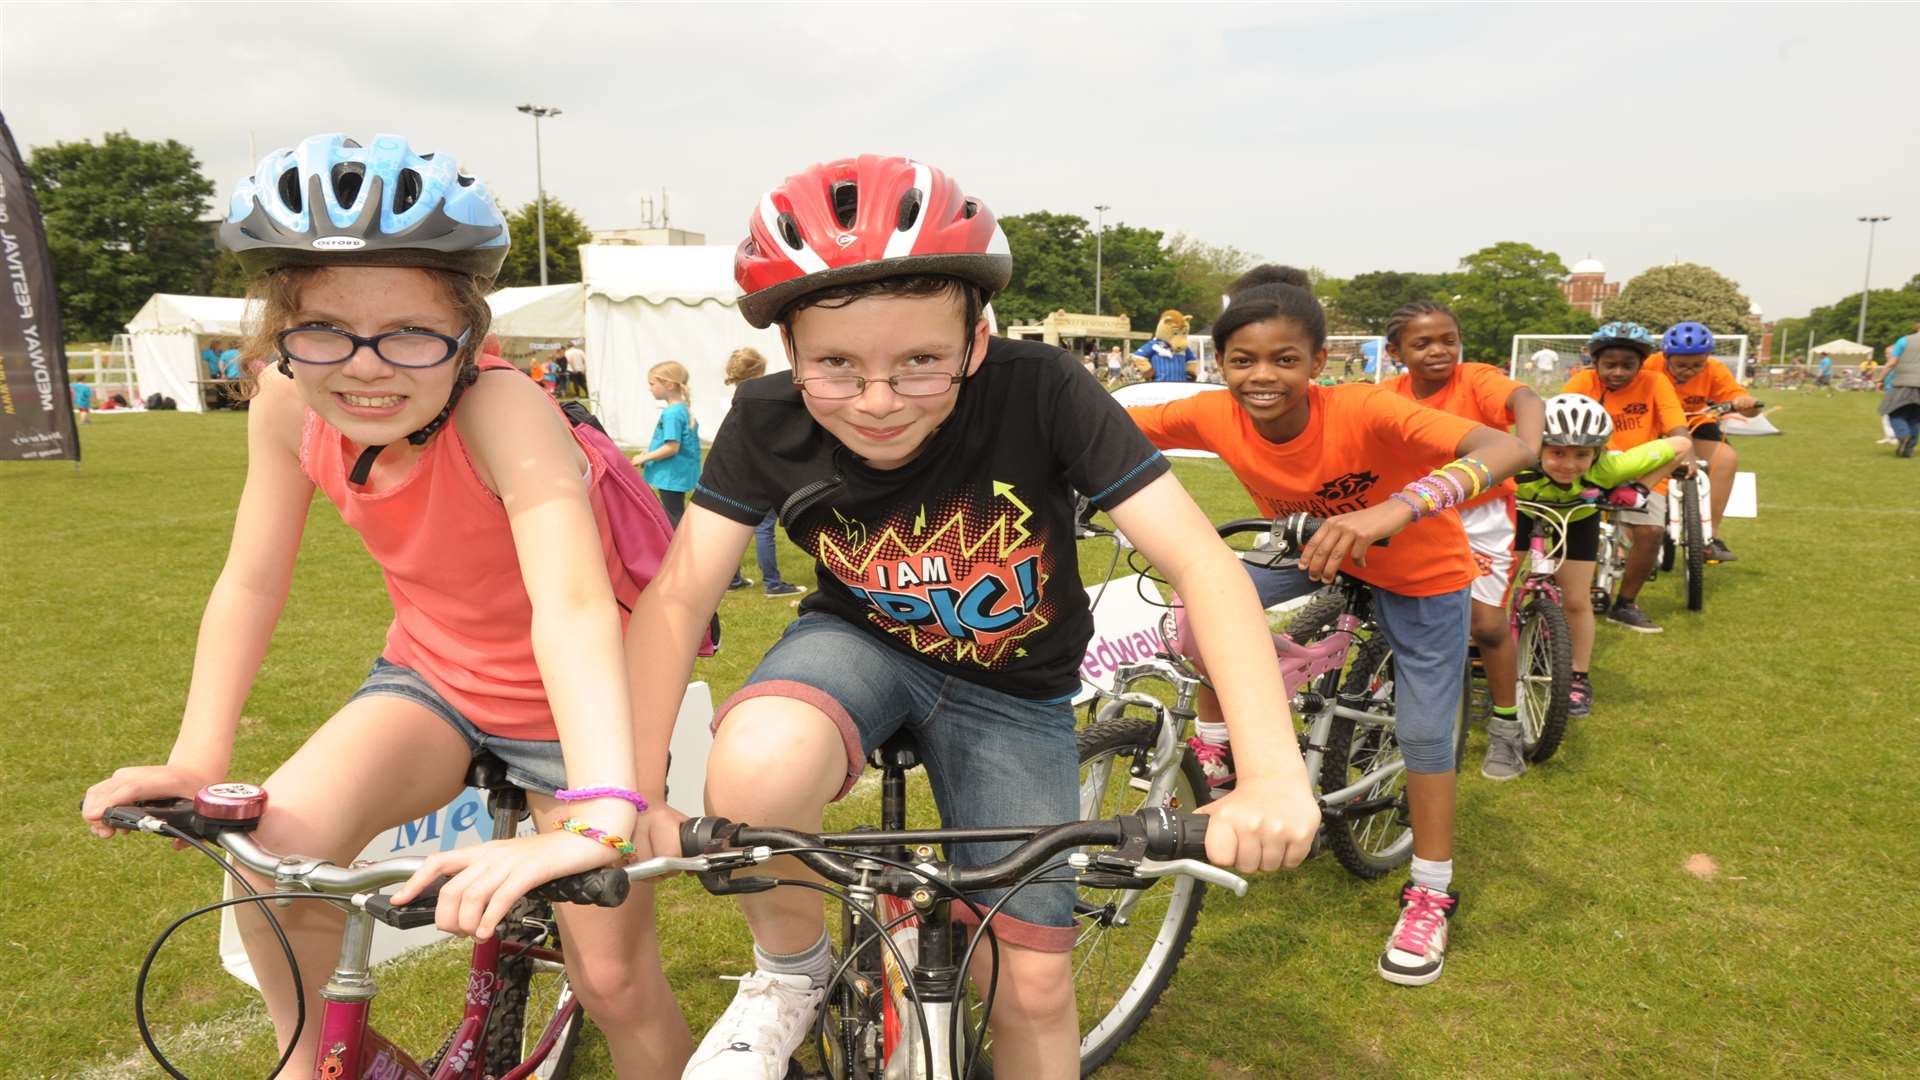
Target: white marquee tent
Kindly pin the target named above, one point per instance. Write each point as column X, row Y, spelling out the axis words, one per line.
column 1842, row 347
column 168, row 333
column 546, row 313
column 646, row 304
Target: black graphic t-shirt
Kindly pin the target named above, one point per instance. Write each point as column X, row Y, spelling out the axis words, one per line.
column 963, row 557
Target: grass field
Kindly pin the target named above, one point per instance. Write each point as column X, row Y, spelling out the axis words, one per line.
column 1774, row 735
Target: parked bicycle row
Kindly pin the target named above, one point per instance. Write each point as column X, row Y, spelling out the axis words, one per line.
column 547, row 618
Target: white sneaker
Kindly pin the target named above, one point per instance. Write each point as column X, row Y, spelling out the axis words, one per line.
column 755, row 1038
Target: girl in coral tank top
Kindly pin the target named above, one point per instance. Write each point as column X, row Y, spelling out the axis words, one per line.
column 489, row 519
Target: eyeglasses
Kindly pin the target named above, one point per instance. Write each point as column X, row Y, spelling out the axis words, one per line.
column 911, row 384
column 401, row 348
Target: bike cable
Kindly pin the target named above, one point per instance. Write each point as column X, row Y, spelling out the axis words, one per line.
column 252, row 896
column 966, row 958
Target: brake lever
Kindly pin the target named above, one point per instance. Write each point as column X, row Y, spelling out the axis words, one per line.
column 1105, row 863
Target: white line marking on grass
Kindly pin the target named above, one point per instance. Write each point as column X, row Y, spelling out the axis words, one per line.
column 220, row 1033
column 1898, row 510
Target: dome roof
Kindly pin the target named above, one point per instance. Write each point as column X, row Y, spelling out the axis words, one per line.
column 1753, row 308
column 1589, row 266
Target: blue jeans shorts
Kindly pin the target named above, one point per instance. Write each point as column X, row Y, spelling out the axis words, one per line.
column 993, row 759
column 533, row 765
column 1428, row 635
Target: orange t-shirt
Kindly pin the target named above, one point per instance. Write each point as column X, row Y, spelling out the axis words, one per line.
column 1479, row 392
column 1645, row 410
column 1361, row 444
column 1713, row 383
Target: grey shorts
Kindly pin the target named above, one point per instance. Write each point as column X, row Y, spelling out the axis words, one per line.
column 1654, row 513
column 533, row 765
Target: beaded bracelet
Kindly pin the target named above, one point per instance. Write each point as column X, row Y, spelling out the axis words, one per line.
column 617, row 843
column 628, row 795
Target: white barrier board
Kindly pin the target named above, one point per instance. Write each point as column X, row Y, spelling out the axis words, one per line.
column 1159, row 393
column 465, row 821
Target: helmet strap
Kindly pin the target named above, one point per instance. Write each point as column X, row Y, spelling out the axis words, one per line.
column 363, row 465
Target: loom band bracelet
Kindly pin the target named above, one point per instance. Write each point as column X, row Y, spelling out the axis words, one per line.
column 627, row 795
column 617, row 843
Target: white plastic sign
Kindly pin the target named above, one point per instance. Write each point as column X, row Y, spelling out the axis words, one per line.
column 465, row 821
column 1159, row 393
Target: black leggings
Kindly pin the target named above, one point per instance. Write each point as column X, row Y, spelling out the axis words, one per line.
column 674, row 503
column 1583, row 537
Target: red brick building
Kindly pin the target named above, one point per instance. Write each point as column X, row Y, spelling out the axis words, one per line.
column 1588, row 289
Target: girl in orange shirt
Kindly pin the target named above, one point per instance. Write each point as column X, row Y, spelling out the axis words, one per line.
column 488, row 516
column 1425, row 336
column 1375, row 465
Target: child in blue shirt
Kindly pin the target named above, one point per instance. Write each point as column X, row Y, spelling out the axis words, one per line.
column 671, row 463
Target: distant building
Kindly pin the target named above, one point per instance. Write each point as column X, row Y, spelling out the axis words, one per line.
column 650, row 237
column 1588, row 289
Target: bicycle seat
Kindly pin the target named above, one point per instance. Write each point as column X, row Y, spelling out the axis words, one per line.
column 900, row 751
column 487, row 772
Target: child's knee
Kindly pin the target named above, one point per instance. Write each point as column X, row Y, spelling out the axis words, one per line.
column 774, row 751
column 1041, row 984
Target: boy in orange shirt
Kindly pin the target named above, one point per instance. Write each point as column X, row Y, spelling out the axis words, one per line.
column 1375, row 465
column 1425, row 336
column 1644, row 407
column 1685, row 358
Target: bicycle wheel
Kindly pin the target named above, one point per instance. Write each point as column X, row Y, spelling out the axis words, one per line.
column 1546, row 676
column 1129, row 941
column 1370, row 842
column 1693, row 535
column 532, row 994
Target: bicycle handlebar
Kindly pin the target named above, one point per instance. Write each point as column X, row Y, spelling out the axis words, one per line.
column 1289, row 534
column 1152, row 842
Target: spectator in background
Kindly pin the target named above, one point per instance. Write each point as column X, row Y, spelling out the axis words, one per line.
column 1902, row 401
column 82, row 400
column 1825, row 377
column 671, row 462
column 747, row 364
column 577, row 369
column 1116, row 360
column 1887, row 437
column 561, row 372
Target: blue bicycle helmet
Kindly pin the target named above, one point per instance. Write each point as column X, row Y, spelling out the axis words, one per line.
column 1621, row 335
column 1686, row 339
column 331, row 201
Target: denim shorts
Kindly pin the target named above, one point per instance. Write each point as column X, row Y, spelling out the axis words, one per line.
column 1428, row 635
column 533, row 765
column 993, row 759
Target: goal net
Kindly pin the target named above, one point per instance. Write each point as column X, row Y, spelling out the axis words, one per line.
column 1546, row 361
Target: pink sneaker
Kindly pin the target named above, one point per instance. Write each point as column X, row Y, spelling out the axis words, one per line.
column 1418, row 948
column 1215, row 761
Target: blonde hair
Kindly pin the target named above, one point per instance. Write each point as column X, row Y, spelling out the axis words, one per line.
column 745, row 364
column 274, row 297
column 672, row 371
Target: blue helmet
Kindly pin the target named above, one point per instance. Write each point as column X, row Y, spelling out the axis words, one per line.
column 1686, row 339
column 1621, row 335
column 331, row 201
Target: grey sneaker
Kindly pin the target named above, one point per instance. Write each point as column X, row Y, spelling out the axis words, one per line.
column 785, row 588
column 1506, row 758
column 1719, row 552
column 1628, row 614
column 771, row 1015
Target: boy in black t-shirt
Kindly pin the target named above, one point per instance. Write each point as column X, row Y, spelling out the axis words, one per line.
column 929, row 470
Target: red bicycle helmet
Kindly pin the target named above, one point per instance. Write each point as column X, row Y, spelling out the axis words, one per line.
column 863, row 219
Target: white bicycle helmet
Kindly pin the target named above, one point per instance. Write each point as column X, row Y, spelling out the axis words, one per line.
column 1576, row 420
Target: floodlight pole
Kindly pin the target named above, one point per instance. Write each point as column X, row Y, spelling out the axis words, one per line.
column 1099, row 238
column 538, row 112
column 1873, row 221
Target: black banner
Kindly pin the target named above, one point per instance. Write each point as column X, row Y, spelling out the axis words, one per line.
column 36, row 409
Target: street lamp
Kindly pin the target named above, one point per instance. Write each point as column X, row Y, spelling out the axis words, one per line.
column 1872, row 222
column 540, row 112
column 1099, row 236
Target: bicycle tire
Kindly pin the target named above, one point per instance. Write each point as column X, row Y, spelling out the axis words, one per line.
column 1373, row 845
column 1315, row 618
column 1105, row 1028
column 1546, row 677
column 513, row 1028
column 1693, row 534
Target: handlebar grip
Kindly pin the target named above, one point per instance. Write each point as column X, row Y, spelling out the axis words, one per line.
column 1172, row 834
column 606, row 887
column 406, row 916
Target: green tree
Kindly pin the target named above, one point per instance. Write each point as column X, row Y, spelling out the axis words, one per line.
column 225, row 276
column 1051, row 271
column 1368, row 300
column 1201, row 273
column 565, row 233
column 1683, row 292
column 1511, row 288
column 1890, row 314
column 1139, row 278
column 123, row 221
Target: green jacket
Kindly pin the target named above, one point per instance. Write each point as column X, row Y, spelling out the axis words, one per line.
column 1611, row 469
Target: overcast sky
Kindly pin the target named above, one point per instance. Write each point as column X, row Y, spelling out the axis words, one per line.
column 1352, row 138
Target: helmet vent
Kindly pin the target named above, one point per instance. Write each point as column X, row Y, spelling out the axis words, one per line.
column 347, row 178
column 909, row 210
column 790, row 231
column 464, row 180
column 753, row 249
column 407, row 191
column 970, row 209
column 290, row 189
column 846, row 202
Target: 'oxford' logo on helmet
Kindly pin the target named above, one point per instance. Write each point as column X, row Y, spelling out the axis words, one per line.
column 339, row 243
column 845, row 239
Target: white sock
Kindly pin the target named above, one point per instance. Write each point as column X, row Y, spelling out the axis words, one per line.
column 816, row 962
column 1211, row 734
column 1433, row 875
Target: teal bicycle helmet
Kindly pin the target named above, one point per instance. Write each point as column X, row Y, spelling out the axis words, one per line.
column 1621, row 335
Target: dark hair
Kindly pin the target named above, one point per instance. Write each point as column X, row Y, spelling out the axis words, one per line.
column 910, row 285
column 1406, row 313
column 1271, row 292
